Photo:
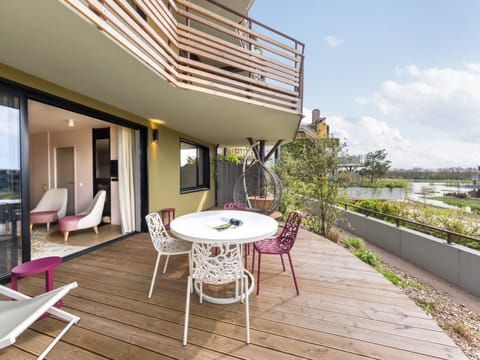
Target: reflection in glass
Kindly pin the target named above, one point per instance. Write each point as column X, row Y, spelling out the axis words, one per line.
column 188, row 165
column 10, row 196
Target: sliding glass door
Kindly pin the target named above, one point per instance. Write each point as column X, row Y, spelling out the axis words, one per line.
column 10, row 182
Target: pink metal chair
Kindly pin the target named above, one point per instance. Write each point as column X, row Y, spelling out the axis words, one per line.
column 167, row 215
column 282, row 244
column 233, row 206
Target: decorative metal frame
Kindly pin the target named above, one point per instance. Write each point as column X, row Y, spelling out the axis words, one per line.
column 259, row 185
column 217, row 263
column 165, row 245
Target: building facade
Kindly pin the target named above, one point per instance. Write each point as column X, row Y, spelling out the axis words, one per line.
column 133, row 97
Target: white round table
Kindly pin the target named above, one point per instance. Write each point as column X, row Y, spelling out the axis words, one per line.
column 207, row 227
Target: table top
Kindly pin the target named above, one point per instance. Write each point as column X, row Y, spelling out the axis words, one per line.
column 37, row 266
column 214, row 226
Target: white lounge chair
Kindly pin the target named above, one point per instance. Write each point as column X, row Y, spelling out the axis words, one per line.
column 17, row 316
column 51, row 207
column 89, row 218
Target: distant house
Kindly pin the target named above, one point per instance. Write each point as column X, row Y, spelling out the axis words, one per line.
column 316, row 129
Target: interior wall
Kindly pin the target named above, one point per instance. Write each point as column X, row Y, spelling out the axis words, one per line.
column 39, row 165
column 81, row 140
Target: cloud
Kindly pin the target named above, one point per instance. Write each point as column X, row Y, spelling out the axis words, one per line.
column 366, row 134
column 333, row 41
column 444, row 99
column 307, row 116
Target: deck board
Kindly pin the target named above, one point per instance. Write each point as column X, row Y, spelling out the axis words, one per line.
column 345, row 310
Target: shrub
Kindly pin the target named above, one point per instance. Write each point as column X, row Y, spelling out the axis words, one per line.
column 367, row 257
column 427, row 306
column 333, row 235
column 356, row 243
column 462, row 330
column 381, row 206
column 400, row 280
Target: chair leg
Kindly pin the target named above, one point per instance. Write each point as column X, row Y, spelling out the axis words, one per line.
column 154, row 276
column 190, row 268
column 247, row 311
column 246, row 251
column 258, row 272
column 31, row 227
column 166, row 263
column 293, row 273
column 187, row 310
column 48, row 228
column 253, row 260
column 95, row 229
column 283, row 264
column 65, row 236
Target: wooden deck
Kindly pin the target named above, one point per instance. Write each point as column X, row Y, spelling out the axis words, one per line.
column 346, row 310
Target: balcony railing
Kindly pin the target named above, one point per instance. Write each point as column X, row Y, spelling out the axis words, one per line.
column 197, row 49
column 449, row 236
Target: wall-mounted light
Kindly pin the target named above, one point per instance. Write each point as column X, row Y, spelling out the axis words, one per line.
column 155, row 135
column 70, row 123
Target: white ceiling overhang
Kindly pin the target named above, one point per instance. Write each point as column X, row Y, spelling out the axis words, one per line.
column 47, row 40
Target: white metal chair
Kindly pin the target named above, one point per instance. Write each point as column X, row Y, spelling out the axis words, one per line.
column 217, row 264
column 17, row 316
column 164, row 244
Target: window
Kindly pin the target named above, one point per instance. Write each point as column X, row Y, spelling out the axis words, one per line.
column 194, row 166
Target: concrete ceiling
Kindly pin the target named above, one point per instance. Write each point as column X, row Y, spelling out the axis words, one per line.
column 47, row 40
column 45, row 118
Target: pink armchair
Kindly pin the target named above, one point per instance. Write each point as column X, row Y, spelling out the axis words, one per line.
column 51, row 207
column 89, row 218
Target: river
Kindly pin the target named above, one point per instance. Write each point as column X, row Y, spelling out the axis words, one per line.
column 418, row 191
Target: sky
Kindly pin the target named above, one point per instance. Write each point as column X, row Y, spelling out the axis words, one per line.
column 399, row 75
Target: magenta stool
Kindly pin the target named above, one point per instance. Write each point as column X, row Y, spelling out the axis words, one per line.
column 167, row 215
column 37, row 266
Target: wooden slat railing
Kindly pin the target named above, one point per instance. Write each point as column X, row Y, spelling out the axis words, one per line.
column 197, row 49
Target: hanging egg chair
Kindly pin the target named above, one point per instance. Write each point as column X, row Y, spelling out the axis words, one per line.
column 258, row 188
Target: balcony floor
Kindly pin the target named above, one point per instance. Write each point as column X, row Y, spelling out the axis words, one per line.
column 346, row 310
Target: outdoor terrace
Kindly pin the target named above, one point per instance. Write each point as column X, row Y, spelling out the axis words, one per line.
column 346, row 310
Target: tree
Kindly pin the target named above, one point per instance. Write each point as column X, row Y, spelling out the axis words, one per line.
column 376, row 164
column 309, row 172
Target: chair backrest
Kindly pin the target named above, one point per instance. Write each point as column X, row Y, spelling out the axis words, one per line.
column 233, row 206
column 93, row 214
column 157, row 231
column 290, row 230
column 17, row 316
column 216, row 263
column 53, row 199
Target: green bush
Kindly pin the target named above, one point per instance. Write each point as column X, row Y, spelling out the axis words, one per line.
column 367, row 257
column 356, row 243
column 381, row 206
column 233, row 158
column 400, row 280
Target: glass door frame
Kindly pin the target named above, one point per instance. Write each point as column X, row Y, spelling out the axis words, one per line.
column 25, row 93
column 24, row 178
